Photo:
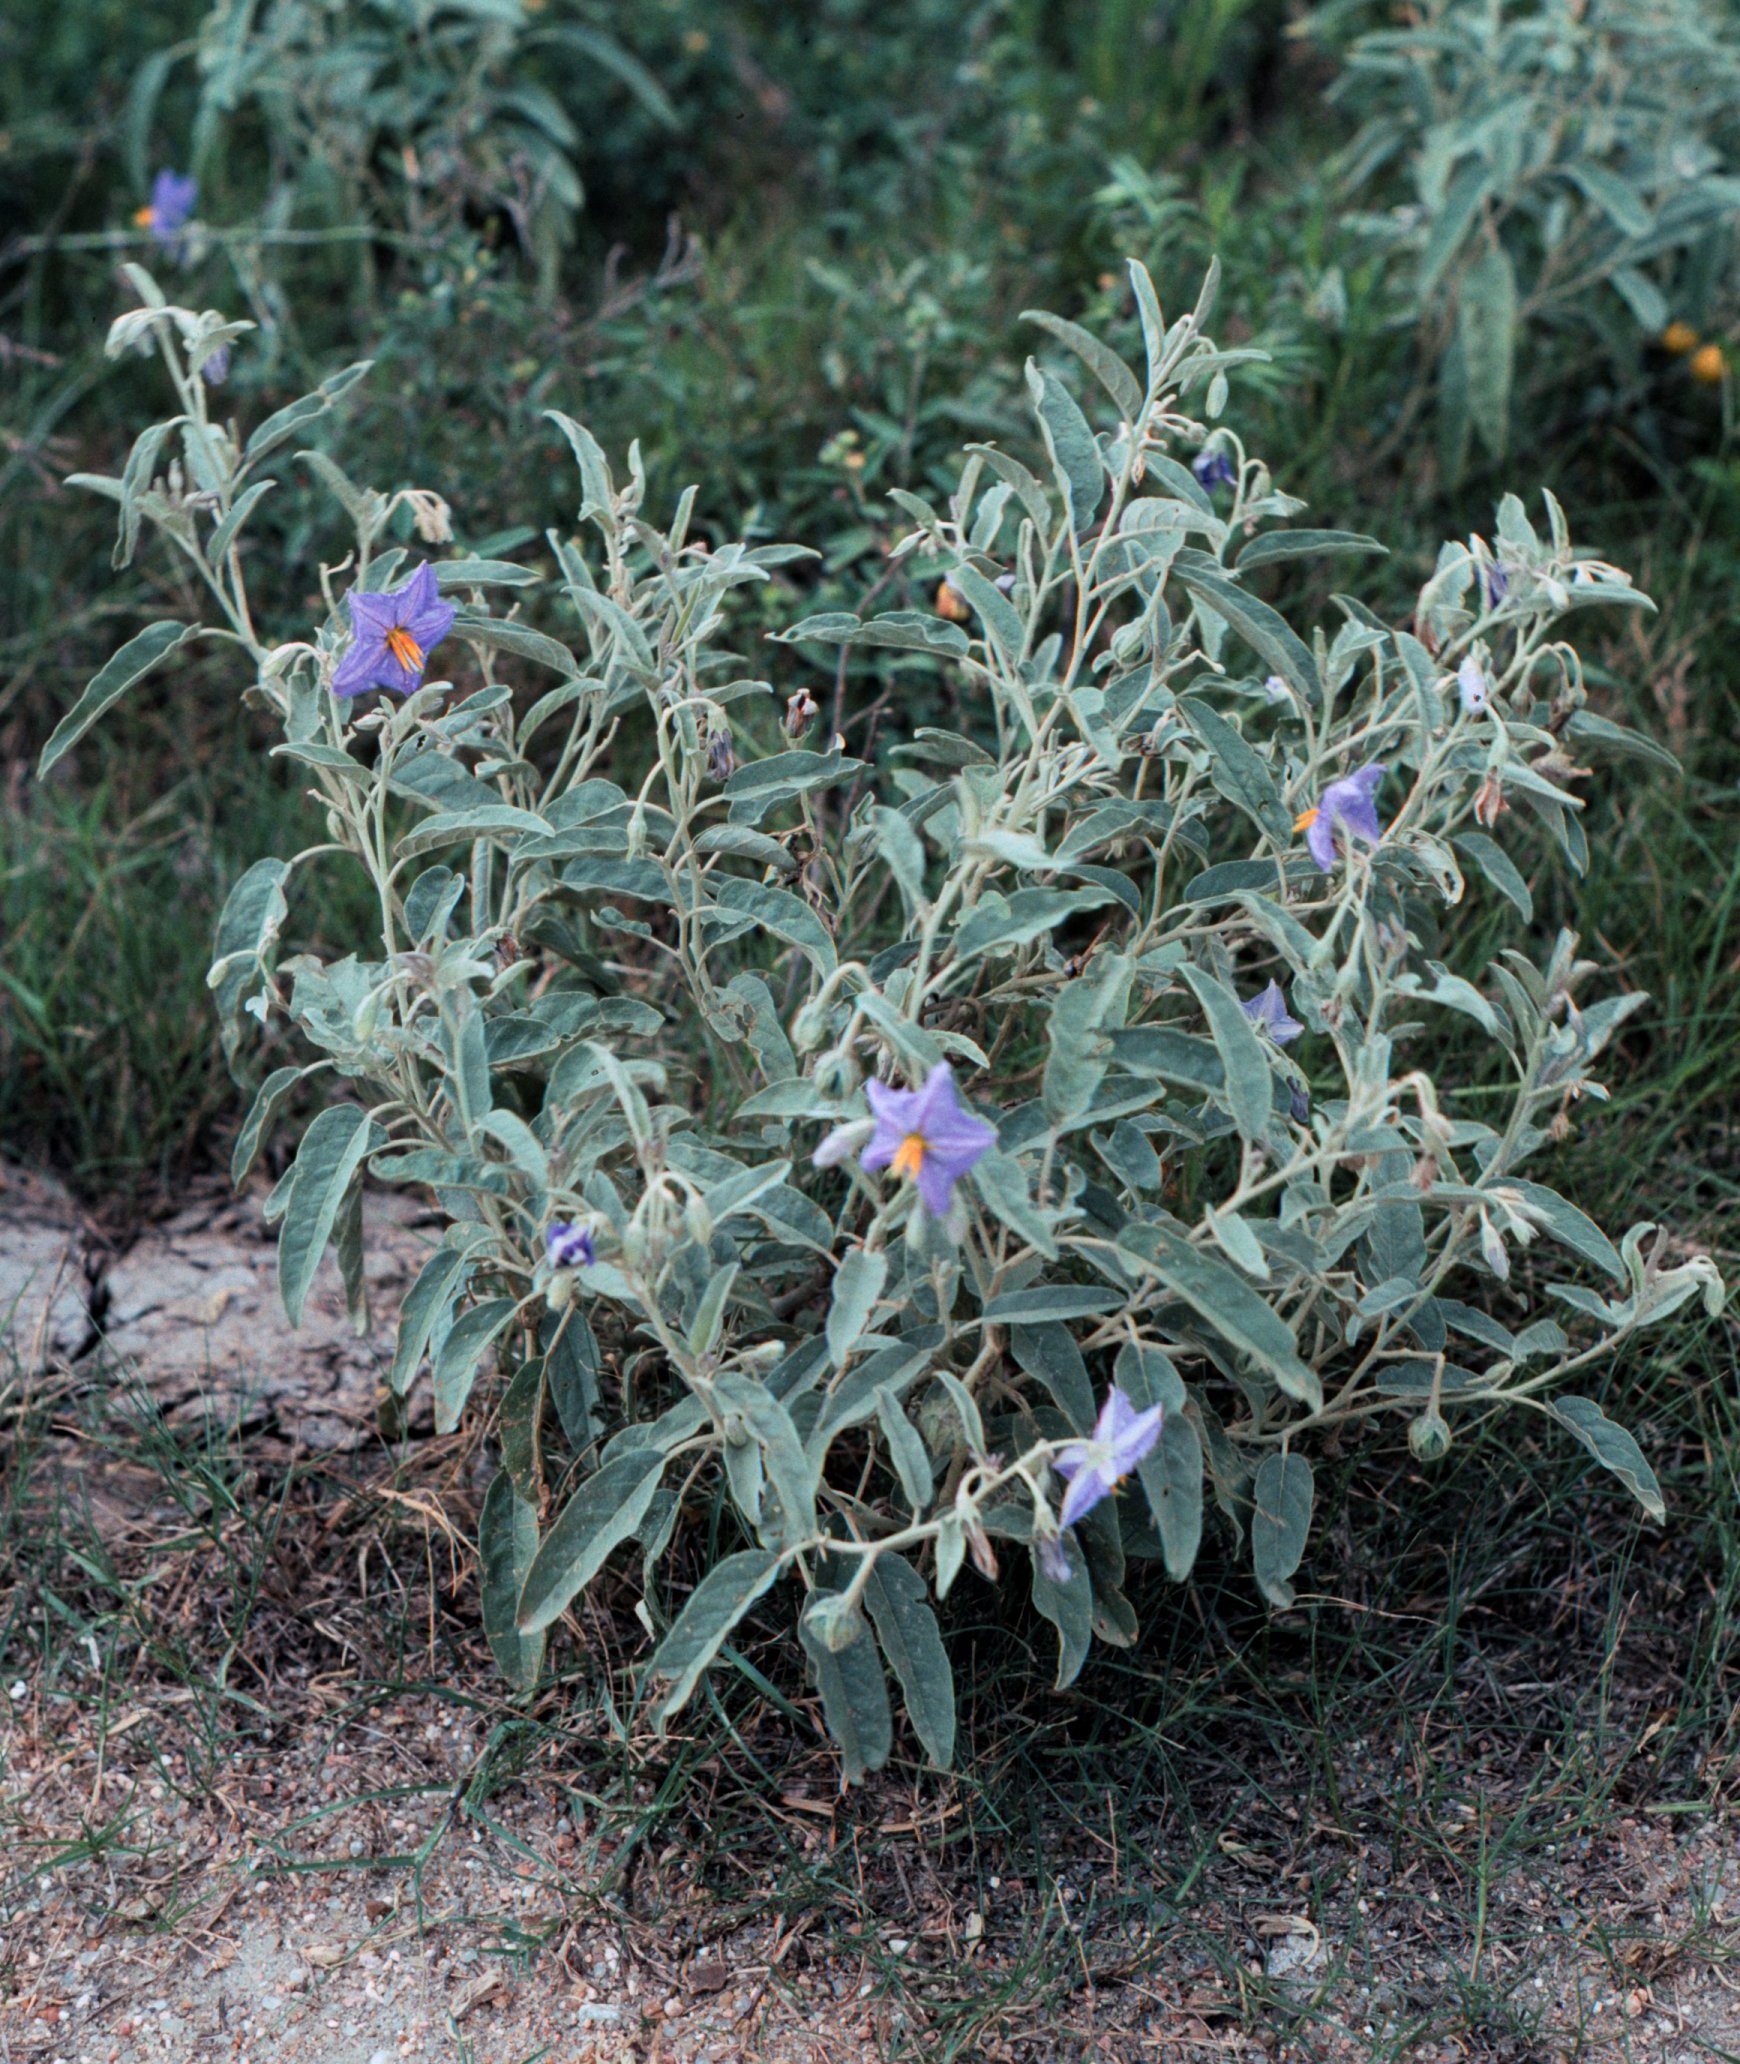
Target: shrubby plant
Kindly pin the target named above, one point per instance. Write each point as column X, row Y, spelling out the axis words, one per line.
column 1562, row 168
column 402, row 115
column 855, row 1171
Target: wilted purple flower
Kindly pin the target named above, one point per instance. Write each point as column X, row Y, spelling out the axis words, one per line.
column 174, row 195
column 395, row 633
column 1268, row 1012
column 1494, row 584
column 801, row 711
column 1213, row 468
column 721, row 760
column 1053, row 1558
column 1471, row 685
column 1095, row 1467
column 570, row 1246
column 1276, row 689
column 1346, row 803
column 928, row 1135
column 215, row 370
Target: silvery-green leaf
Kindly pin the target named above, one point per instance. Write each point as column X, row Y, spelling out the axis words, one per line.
column 457, row 1357
column 1262, row 628
column 507, row 1539
column 1069, row 1607
column 1048, row 1353
column 1498, row 867
column 1281, row 1501
column 607, row 1508
column 1228, row 1304
column 1075, row 454
column 1237, row 770
column 906, row 1626
column 143, row 652
column 327, row 1163
column 907, row 1451
column 1250, row 1092
column 1486, row 327
column 1104, row 363
column 1612, row 1447
column 704, row 1625
column 854, row 1699
column 858, row 1282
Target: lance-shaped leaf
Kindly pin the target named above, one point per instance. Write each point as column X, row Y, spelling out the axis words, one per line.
column 141, row 653
column 704, row 1625
column 602, row 1514
column 1281, row 1500
column 906, row 1627
column 328, row 1161
column 507, row 1539
column 1612, row 1447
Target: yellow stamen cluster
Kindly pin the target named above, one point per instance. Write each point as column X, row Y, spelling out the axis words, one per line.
column 909, row 1158
column 405, row 649
column 144, row 217
column 1307, row 818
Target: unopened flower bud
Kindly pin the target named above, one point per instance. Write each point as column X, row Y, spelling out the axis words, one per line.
column 721, row 760
column 697, row 1221
column 801, row 711
column 809, row 1028
column 844, row 1143
column 1429, row 1437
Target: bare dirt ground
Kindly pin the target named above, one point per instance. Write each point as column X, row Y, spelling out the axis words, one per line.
column 262, row 1799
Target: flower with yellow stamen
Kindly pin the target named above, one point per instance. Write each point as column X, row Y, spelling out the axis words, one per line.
column 926, row 1136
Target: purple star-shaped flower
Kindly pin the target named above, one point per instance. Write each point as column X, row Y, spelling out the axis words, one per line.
column 1346, row 803
column 174, row 196
column 1213, row 468
column 395, row 634
column 1095, row 1467
column 570, row 1246
column 926, row 1134
column 1268, row 1012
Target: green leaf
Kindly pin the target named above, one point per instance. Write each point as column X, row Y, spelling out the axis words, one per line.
column 906, row 630
column 907, row 1451
column 713, row 1608
column 1050, row 1301
column 1266, row 631
column 141, row 653
column 1075, row 456
column 1048, row 1353
column 1104, row 363
column 459, row 1353
column 1076, row 1056
column 854, row 1699
column 1303, row 544
column 1612, row 1447
column 1569, row 1226
column 1171, row 1471
column 520, row 1429
column 1600, row 734
column 785, row 915
column 273, row 1095
column 441, row 1279
column 1617, row 198
column 1281, row 1500
column 1451, row 224
column 1016, row 920
column 571, row 1366
column 1249, row 1084
column 858, row 1283
column 285, row 422
column 1070, row 1609
column 1486, row 327
column 900, row 1611
column 328, row 1161
column 1499, row 869
column 601, row 1515
column 507, row 1539
column 1237, row 770
column 1002, row 1189
column 1228, row 1304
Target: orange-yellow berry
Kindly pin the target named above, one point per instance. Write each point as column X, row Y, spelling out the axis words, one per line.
column 1709, row 365
column 1679, row 338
